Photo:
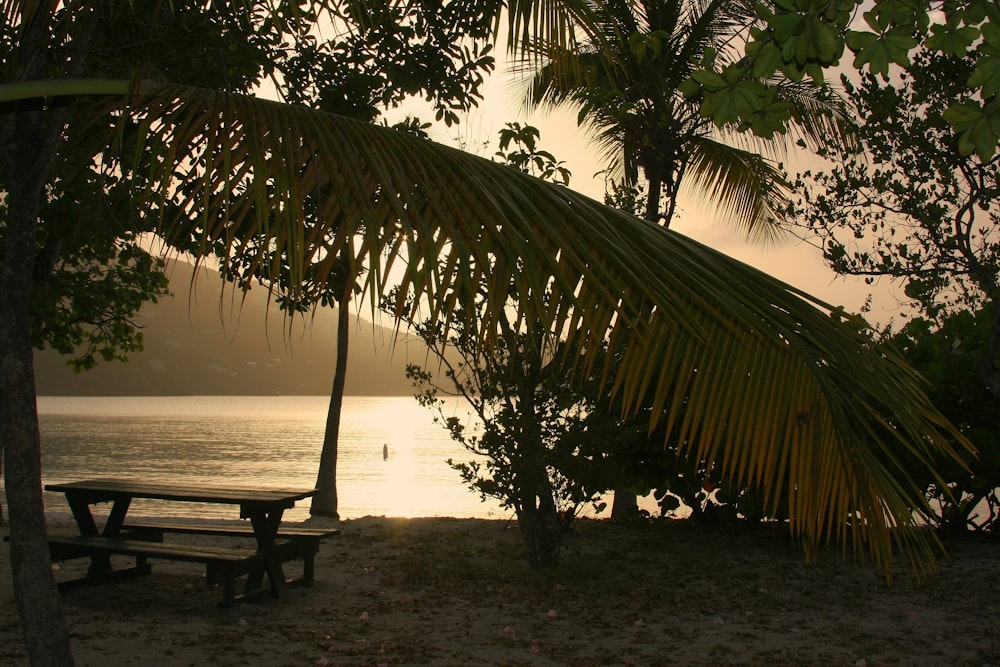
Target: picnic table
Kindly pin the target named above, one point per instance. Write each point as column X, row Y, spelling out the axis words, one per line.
column 143, row 539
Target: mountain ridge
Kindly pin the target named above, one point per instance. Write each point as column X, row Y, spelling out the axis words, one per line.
column 204, row 339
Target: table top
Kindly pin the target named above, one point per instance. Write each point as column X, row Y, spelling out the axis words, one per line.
column 111, row 488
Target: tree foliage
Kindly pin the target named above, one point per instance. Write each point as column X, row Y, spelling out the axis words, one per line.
column 628, row 80
column 951, row 353
column 541, row 459
column 723, row 319
column 909, row 206
column 385, row 53
column 801, row 38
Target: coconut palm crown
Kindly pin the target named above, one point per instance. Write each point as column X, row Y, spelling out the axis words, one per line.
column 627, row 80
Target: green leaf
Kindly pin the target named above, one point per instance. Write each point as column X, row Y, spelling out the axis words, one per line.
column 892, row 47
column 991, row 35
column 858, row 41
column 815, row 72
column 986, row 76
column 877, row 19
column 708, row 57
column 787, row 25
column 951, row 40
column 900, row 42
column 978, row 129
column 876, row 56
column 638, row 44
column 822, row 42
column 711, row 81
column 974, row 12
column 689, row 88
column 959, row 114
column 740, row 100
column 771, row 119
column 767, row 61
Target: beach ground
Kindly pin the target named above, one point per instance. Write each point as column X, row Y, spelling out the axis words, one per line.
column 458, row 592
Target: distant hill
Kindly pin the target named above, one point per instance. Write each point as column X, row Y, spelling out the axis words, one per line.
column 197, row 344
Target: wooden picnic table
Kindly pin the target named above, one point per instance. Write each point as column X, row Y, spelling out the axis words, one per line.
column 263, row 507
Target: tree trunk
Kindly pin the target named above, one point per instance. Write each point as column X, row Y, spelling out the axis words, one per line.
column 324, row 503
column 537, row 516
column 625, row 506
column 26, row 166
column 29, row 136
column 653, row 199
column 549, row 527
column 538, row 519
column 46, row 634
column 989, row 369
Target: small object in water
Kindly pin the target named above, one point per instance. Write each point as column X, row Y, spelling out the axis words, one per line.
column 385, row 452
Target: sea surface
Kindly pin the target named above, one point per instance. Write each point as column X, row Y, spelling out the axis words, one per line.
column 262, row 441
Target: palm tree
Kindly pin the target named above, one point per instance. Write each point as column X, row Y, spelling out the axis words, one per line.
column 790, row 387
column 325, row 502
column 627, row 81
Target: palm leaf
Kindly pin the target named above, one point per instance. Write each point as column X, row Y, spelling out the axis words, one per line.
column 818, row 117
column 628, row 102
column 773, row 385
column 742, row 185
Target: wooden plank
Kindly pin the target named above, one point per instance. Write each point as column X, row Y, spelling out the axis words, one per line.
column 109, row 489
column 186, row 552
column 223, row 565
column 302, row 543
column 290, row 532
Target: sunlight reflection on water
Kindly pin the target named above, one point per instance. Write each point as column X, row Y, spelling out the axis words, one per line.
column 264, row 442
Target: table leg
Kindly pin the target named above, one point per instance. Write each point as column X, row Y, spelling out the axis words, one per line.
column 79, row 505
column 113, row 526
column 265, row 530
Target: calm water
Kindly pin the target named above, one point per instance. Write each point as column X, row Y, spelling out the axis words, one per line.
column 261, row 441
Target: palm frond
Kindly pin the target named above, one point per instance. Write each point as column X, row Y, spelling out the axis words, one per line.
column 818, row 115
column 535, row 25
column 712, row 24
column 742, row 186
column 759, row 378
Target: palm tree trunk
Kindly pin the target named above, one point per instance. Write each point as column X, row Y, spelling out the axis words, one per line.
column 625, row 505
column 324, row 503
column 653, row 198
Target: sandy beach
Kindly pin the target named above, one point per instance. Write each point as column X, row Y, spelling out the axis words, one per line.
column 458, row 592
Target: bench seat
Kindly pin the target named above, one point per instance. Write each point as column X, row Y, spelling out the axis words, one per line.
column 223, row 564
column 304, row 541
column 225, row 529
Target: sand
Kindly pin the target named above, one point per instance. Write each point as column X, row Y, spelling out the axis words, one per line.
column 457, row 592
